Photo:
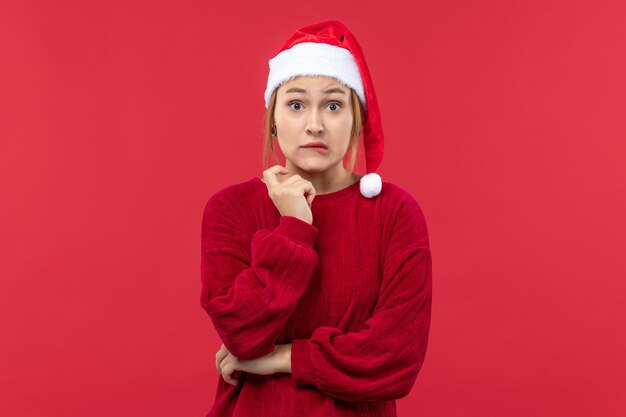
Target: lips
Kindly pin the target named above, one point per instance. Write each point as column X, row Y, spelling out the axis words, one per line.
column 316, row 145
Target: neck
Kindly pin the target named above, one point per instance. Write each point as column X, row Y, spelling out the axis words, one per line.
column 329, row 181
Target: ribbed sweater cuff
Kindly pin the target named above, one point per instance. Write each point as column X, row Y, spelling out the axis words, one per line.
column 302, row 368
column 297, row 230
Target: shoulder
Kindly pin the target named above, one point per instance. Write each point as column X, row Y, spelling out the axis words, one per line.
column 232, row 198
column 237, row 191
column 395, row 196
column 400, row 207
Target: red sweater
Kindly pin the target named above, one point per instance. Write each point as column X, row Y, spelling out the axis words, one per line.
column 351, row 292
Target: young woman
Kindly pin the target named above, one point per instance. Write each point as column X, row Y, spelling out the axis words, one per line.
column 317, row 280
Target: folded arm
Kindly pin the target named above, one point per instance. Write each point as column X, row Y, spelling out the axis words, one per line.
column 382, row 360
column 252, row 285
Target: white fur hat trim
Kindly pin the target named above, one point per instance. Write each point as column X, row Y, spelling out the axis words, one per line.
column 315, row 58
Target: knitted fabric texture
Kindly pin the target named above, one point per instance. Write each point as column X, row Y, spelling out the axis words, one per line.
column 353, row 297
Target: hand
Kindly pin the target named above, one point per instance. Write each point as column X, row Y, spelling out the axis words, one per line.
column 277, row 361
column 288, row 194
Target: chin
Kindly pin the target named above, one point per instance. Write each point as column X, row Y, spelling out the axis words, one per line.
column 311, row 166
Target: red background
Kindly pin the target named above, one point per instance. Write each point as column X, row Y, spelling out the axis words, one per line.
column 118, row 120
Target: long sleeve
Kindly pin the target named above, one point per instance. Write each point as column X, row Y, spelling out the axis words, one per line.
column 252, row 284
column 382, row 360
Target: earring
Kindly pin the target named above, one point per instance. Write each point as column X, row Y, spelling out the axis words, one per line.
column 273, row 130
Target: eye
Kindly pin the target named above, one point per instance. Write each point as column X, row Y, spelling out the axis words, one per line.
column 295, row 102
column 335, row 104
column 335, row 108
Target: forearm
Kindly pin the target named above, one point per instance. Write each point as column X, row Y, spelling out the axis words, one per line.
column 283, row 354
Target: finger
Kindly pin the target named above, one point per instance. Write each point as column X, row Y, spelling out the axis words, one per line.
column 219, row 356
column 303, row 187
column 227, row 373
column 293, row 180
column 279, row 173
column 307, row 188
column 223, row 362
column 309, row 199
column 270, row 174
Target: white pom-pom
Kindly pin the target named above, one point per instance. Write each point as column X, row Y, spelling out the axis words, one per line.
column 370, row 185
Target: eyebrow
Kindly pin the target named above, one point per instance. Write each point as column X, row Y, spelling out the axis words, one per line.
column 302, row 90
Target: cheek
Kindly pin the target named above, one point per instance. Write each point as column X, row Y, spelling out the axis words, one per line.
column 289, row 132
column 344, row 123
column 343, row 129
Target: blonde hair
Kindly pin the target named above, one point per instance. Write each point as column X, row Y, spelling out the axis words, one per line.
column 268, row 145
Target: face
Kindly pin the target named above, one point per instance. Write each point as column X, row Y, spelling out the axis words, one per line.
column 310, row 109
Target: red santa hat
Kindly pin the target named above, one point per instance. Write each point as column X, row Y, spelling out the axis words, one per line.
column 330, row 49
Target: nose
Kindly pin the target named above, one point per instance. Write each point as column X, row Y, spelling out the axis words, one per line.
column 314, row 123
